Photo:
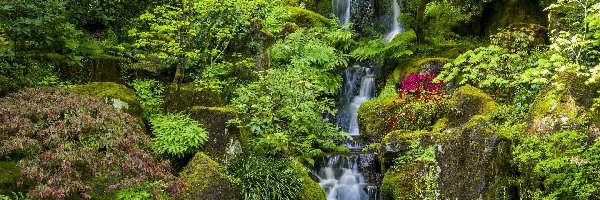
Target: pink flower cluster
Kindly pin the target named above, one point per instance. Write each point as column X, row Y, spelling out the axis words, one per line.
column 416, row 82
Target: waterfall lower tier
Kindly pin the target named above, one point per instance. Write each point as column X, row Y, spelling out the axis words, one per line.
column 341, row 177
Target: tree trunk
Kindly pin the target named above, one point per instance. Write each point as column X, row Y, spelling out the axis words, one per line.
column 421, row 21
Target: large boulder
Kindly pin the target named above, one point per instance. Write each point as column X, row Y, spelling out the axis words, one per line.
column 203, row 180
column 101, row 68
column 471, row 160
column 112, row 93
column 564, row 104
column 180, row 98
column 309, row 19
column 223, row 140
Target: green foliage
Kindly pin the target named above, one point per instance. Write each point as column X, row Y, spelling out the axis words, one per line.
column 265, row 178
column 176, row 134
column 198, row 31
column 442, row 17
column 143, row 191
column 151, row 96
column 425, row 157
column 510, row 69
column 284, row 112
column 400, row 47
column 15, row 196
column 561, row 165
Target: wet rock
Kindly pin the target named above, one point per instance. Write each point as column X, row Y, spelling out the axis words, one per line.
column 204, row 181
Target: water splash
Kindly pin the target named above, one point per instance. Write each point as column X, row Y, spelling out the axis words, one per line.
column 396, row 27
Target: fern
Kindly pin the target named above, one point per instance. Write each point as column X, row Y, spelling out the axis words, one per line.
column 177, row 134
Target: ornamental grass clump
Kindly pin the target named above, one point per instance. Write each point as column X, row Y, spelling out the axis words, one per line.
column 71, row 146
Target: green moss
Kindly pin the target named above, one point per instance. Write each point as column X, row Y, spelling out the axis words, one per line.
column 309, row 19
column 400, row 183
column 189, row 96
column 372, row 127
column 416, row 65
column 563, row 104
column 440, row 124
column 115, row 94
column 203, row 180
column 469, row 101
column 311, row 190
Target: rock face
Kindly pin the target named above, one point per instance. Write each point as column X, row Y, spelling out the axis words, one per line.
column 223, row 140
column 188, row 96
column 564, row 104
column 114, row 94
column 471, row 160
column 204, row 181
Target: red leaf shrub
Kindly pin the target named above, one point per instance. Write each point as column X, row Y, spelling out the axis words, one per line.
column 70, row 145
column 419, row 104
column 422, row 82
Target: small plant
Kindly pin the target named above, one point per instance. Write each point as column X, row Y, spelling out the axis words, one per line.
column 265, row 178
column 421, row 82
column 150, row 94
column 176, row 134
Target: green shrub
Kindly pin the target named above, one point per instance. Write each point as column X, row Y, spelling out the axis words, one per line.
column 265, row 178
column 176, row 134
column 151, row 96
column 563, row 165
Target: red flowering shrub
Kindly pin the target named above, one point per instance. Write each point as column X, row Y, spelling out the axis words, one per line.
column 419, row 104
column 70, row 145
column 416, row 83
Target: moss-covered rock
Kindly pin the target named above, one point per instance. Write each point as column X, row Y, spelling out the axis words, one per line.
column 372, row 126
column 309, row 19
column 101, row 68
column 403, row 182
column 223, row 140
column 399, row 141
column 188, row 96
column 474, row 162
column 469, row 101
column 564, row 104
column 419, row 66
column 203, row 180
column 311, row 190
column 115, row 94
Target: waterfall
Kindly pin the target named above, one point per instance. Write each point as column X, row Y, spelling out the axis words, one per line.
column 341, row 8
column 340, row 175
column 395, row 26
column 350, row 101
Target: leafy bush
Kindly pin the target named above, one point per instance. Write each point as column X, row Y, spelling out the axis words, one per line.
column 69, row 145
column 563, row 165
column 264, row 178
column 284, row 111
column 419, row 103
column 150, row 95
column 176, row 134
column 400, row 47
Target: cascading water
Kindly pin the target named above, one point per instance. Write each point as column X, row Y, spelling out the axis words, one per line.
column 340, row 175
column 342, row 10
column 396, row 27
